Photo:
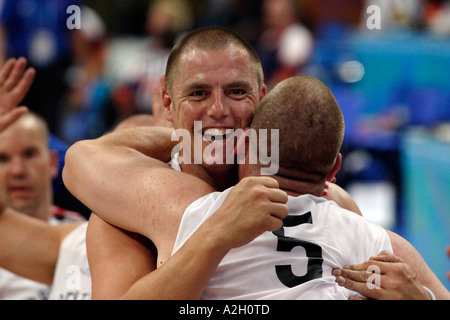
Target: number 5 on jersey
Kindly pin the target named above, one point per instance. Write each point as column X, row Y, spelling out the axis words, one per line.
column 286, row 244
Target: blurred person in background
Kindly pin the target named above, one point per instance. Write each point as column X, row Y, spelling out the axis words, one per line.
column 436, row 16
column 241, row 16
column 37, row 30
column 27, row 168
column 286, row 44
column 166, row 21
column 50, row 253
column 86, row 110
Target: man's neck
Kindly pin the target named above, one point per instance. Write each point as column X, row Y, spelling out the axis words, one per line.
column 42, row 213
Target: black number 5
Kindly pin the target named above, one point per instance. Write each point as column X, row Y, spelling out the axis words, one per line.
column 286, row 244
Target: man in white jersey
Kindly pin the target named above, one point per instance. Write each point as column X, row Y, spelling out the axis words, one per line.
column 296, row 261
column 227, row 103
column 195, row 87
column 207, row 254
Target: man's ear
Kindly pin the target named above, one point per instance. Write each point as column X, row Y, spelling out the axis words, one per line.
column 166, row 102
column 336, row 167
column 263, row 92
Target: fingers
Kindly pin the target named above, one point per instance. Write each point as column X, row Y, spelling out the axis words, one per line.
column 278, row 210
column 274, row 224
column 11, row 116
column 363, row 282
column 24, row 85
column 383, row 256
column 266, row 181
column 360, row 276
column 15, row 80
column 6, row 70
column 386, row 256
column 275, row 195
column 16, row 73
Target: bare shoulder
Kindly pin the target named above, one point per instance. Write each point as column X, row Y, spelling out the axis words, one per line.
column 342, row 198
column 406, row 251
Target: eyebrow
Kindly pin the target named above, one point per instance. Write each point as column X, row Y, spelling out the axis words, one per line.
column 197, row 85
column 234, row 84
column 239, row 84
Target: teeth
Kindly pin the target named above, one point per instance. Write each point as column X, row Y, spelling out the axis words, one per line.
column 218, row 134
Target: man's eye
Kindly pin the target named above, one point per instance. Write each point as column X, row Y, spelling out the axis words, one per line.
column 237, row 92
column 198, row 93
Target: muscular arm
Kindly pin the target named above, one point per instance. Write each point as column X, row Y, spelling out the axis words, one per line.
column 29, row 247
column 254, row 203
column 123, row 266
column 117, row 258
column 114, row 175
column 404, row 250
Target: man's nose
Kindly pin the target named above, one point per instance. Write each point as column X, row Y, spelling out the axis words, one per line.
column 219, row 109
column 18, row 166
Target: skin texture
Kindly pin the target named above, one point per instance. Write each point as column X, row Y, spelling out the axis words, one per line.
column 27, row 167
column 137, row 285
column 222, row 92
column 29, row 246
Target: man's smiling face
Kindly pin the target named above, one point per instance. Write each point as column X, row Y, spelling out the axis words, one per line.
column 220, row 89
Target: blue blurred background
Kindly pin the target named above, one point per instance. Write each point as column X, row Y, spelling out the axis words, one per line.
column 391, row 83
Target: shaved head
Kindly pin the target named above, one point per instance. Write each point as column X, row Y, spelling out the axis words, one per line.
column 310, row 123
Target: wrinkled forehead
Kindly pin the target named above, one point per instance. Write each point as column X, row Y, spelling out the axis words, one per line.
column 225, row 64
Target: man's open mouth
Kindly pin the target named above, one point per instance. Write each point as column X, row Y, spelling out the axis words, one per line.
column 216, row 134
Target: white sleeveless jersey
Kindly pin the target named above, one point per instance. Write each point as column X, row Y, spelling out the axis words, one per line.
column 295, row 262
column 72, row 279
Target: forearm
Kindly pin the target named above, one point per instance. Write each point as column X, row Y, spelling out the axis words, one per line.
column 97, row 171
column 128, row 259
column 28, row 246
column 154, row 142
column 88, row 156
column 185, row 275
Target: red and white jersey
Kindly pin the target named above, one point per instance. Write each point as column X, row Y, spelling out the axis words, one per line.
column 61, row 215
column 294, row 262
